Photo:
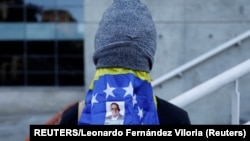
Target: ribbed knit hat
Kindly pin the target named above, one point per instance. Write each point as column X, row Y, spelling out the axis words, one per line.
column 126, row 37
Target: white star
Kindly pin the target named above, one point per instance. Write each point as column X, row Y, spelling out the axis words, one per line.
column 134, row 100
column 109, row 91
column 93, row 100
column 129, row 90
column 140, row 112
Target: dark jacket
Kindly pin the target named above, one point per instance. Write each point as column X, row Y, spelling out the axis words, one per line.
column 168, row 113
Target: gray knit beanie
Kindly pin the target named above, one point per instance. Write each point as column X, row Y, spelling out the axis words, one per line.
column 126, row 37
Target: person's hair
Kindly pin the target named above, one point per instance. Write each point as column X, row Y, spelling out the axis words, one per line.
column 117, row 105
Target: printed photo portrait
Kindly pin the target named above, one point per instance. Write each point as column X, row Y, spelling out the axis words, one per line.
column 115, row 113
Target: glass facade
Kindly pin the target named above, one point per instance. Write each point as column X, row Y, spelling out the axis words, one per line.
column 41, row 43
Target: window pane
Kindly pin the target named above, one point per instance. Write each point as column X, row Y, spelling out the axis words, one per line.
column 11, row 12
column 11, row 63
column 33, row 13
column 41, row 47
column 69, row 31
column 41, row 79
column 66, row 79
column 41, row 2
column 11, row 70
column 76, row 13
column 41, row 63
column 12, row 31
column 70, row 3
column 9, row 48
column 41, row 31
column 70, row 63
column 10, row 79
column 74, row 47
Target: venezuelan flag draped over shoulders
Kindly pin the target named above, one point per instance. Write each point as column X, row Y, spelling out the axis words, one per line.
column 130, row 90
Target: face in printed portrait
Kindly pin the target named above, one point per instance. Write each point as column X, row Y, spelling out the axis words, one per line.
column 115, row 112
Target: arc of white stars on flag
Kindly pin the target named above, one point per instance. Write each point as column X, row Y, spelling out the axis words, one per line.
column 129, row 91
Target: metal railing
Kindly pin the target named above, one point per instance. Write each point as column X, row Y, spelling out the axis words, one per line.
column 181, row 69
column 247, row 123
column 215, row 83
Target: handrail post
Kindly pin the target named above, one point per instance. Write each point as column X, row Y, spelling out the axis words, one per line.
column 236, row 104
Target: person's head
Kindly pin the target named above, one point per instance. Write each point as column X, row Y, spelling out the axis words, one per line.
column 126, row 37
column 115, row 109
